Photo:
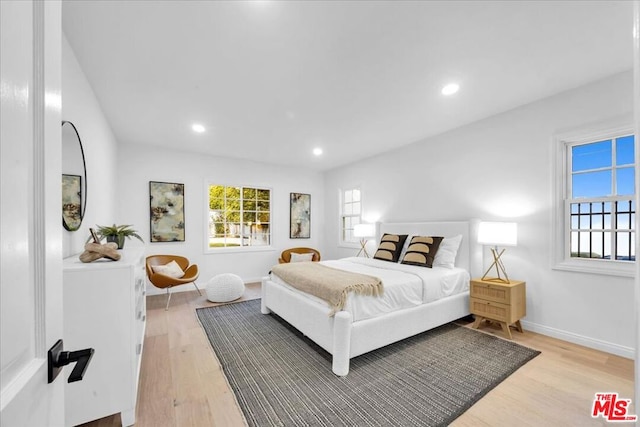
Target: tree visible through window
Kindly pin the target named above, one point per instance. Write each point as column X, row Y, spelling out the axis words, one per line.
column 601, row 206
column 239, row 216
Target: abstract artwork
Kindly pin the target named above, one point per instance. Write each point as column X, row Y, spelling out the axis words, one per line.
column 300, row 205
column 167, row 211
column 71, row 202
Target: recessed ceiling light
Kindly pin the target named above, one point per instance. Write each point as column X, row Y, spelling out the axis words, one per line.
column 317, row 151
column 450, row 89
column 197, row 128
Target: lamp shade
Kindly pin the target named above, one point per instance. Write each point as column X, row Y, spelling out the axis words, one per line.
column 498, row 233
column 364, row 230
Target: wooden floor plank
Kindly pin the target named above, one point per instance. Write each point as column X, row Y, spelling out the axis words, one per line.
column 182, row 383
column 156, row 398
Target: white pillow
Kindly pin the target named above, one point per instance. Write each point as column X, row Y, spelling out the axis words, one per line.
column 172, row 269
column 403, row 252
column 446, row 254
column 301, row 257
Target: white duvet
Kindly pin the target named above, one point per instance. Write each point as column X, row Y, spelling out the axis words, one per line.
column 404, row 285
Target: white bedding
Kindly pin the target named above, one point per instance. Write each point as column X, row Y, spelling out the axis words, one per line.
column 404, row 285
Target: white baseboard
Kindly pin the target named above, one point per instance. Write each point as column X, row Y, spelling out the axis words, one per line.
column 152, row 290
column 618, row 350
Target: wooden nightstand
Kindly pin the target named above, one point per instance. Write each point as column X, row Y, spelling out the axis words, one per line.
column 505, row 303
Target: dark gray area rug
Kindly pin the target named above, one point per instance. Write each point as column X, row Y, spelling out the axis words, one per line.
column 281, row 378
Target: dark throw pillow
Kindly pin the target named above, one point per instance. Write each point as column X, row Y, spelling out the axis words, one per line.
column 390, row 247
column 422, row 250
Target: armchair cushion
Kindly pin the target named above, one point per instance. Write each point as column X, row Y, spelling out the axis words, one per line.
column 301, row 257
column 171, row 269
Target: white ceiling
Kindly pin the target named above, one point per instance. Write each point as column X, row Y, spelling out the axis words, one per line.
column 270, row 80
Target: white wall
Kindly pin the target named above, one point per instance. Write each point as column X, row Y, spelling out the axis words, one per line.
column 80, row 106
column 497, row 168
column 139, row 164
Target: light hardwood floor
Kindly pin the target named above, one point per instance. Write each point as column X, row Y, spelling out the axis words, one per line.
column 182, row 384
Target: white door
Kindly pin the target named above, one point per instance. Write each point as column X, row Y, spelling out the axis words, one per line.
column 30, row 207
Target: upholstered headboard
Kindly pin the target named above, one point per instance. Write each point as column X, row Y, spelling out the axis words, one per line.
column 469, row 254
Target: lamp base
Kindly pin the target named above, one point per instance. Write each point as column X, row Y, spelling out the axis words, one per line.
column 499, row 266
column 363, row 248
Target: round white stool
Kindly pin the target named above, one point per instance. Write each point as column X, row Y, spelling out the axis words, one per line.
column 225, row 287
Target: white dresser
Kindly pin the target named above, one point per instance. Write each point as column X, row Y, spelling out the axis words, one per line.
column 105, row 309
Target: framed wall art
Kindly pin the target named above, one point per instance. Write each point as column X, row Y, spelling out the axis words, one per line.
column 71, row 202
column 166, row 204
column 300, row 216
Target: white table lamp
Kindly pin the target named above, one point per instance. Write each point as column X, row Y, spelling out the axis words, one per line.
column 497, row 234
column 364, row 231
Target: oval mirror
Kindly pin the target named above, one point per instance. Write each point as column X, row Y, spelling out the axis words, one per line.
column 74, row 178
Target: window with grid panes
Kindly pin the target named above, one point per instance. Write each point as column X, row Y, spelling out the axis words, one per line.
column 600, row 205
column 350, row 214
column 239, row 216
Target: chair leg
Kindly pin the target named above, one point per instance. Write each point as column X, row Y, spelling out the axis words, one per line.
column 198, row 289
column 168, row 298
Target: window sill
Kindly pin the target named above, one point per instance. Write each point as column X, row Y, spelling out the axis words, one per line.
column 608, row 268
column 241, row 249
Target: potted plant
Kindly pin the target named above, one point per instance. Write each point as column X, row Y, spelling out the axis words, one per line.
column 117, row 233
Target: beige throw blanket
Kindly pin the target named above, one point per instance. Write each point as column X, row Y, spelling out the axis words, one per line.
column 329, row 284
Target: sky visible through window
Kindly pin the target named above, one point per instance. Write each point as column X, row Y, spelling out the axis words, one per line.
column 602, row 192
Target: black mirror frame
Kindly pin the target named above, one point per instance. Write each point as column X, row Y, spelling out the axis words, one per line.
column 82, row 186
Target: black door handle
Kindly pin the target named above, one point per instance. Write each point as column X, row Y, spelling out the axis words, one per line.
column 58, row 358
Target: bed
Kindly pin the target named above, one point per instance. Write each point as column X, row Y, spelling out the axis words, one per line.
column 356, row 330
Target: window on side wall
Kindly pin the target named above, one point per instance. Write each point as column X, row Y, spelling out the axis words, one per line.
column 350, row 214
column 239, row 217
column 598, row 206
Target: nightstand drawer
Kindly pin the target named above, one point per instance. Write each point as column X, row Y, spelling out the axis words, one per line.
column 491, row 310
column 491, row 292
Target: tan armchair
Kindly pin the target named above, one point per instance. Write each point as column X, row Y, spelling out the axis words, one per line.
column 163, row 281
column 285, row 256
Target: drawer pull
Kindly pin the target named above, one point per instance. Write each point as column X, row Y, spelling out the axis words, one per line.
column 139, row 349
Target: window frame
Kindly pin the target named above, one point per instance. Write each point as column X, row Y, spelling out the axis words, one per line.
column 238, row 249
column 341, row 197
column 561, row 220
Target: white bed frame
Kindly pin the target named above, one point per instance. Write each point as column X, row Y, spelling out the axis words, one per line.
column 342, row 337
